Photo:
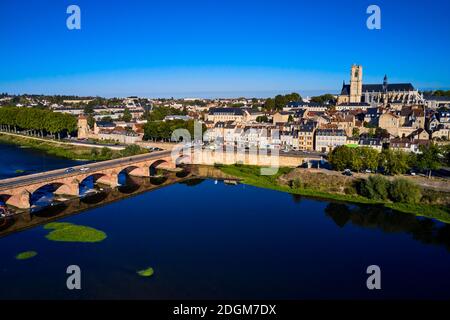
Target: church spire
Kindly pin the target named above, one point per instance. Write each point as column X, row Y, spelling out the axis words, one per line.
column 385, row 83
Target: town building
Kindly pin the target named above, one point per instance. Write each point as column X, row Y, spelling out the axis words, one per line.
column 385, row 93
column 306, row 136
column 328, row 139
column 436, row 102
column 407, row 145
column 236, row 115
column 374, row 143
column 283, row 116
column 403, row 123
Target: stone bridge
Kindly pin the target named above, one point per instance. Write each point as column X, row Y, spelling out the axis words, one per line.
column 17, row 191
column 138, row 185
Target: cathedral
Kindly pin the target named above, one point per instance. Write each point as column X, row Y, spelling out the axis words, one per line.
column 377, row 94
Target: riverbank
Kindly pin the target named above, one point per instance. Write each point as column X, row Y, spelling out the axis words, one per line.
column 251, row 175
column 68, row 151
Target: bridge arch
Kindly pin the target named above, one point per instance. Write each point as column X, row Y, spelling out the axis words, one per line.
column 158, row 164
column 130, row 170
column 183, row 160
column 127, row 178
column 4, row 198
column 44, row 195
column 91, row 180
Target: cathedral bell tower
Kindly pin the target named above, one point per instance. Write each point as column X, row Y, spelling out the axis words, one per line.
column 356, row 84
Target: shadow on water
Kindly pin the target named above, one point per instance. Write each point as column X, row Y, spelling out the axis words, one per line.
column 185, row 172
column 424, row 230
column 128, row 184
column 6, row 223
column 157, row 181
column 192, row 182
column 53, row 210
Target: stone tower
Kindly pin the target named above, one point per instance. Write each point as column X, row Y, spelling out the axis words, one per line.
column 83, row 127
column 356, row 84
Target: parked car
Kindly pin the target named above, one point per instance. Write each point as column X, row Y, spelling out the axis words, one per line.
column 69, row 170
column 347, row 172
column 84, row 169
column 368, row 171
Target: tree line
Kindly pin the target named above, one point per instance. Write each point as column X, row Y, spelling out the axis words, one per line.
column 37, row 122
column 280, row 101
column 162, row 130
column 159, row 113
column 392, row 162
column 438, row 93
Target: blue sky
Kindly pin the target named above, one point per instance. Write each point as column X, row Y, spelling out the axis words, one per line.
column 218, row 47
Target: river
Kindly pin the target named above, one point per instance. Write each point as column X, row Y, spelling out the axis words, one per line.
column 206, row 240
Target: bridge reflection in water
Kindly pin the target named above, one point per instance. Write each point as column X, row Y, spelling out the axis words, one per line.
column 52, row 208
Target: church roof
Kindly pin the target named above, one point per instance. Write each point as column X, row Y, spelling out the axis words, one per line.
column 380, row 88
column 390, row 87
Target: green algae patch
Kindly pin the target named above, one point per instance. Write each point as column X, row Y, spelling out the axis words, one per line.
column 26, row 255
column 69, row 232
column 146, row 272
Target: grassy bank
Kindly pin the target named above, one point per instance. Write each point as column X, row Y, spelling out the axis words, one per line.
column 67, row 151
column 251, row 175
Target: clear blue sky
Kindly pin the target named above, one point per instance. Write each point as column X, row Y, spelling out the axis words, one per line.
column 218, row 47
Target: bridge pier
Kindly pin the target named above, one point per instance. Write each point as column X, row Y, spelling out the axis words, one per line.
column 72, row 189
column 20, row 200
column 140, row 172
column 110, row 180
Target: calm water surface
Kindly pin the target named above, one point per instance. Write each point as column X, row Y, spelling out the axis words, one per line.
column 15, row 161
column 209, row 240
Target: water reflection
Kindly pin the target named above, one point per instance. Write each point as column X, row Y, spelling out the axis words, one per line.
column 6, row 223
column 95, row 198
column 51, row 209
column 193, row 182
column 158, row 180
column 54, row 210
column 425, row 230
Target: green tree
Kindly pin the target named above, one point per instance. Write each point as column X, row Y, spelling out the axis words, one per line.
column 376, row 187
column 89, row 109
column 269, row 105
column 341, row 158
column 368, row 157
column 127, row 115
column 262, row 119
column 394, row 162
column 403, row 190
column 429, row 158
column 446, row 153
column 323, row 98
column 381, row 133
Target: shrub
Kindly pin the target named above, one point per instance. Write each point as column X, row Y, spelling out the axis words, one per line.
column 375, row 187
column 350, row 190
column 296, row 183
column 402, row 190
